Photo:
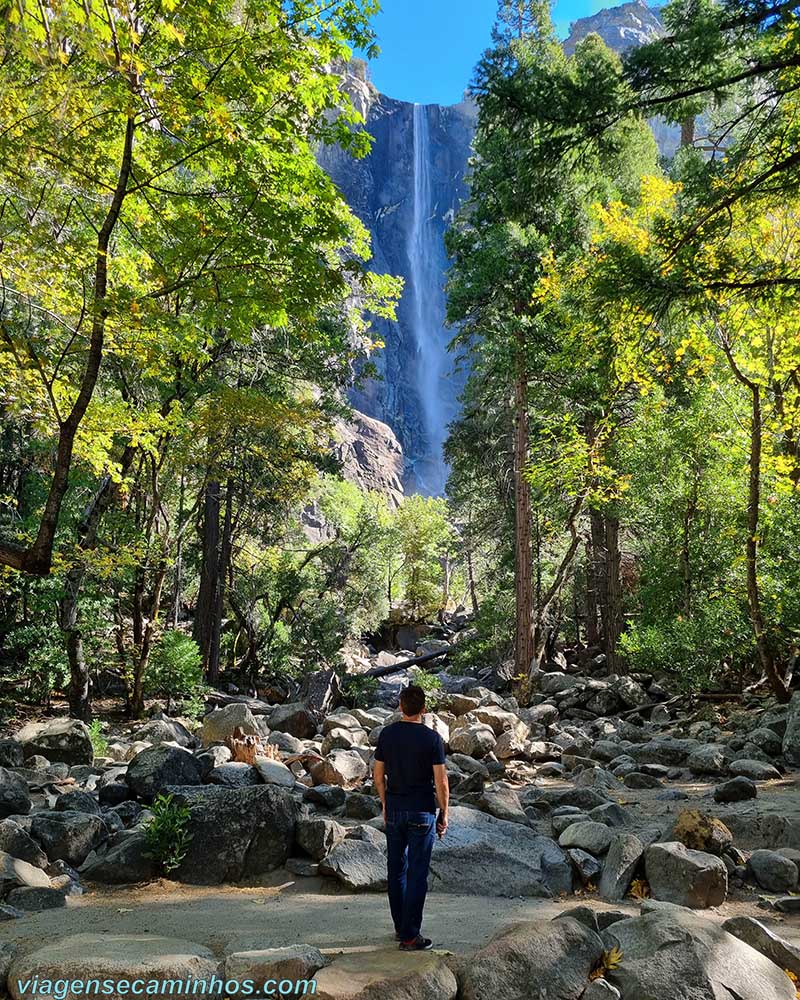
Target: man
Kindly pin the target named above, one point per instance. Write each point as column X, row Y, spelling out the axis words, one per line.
column 409, row 767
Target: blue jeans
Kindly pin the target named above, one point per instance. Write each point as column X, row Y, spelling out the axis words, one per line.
column 409, row 841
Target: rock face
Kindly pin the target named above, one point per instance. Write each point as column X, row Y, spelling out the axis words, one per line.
column 482, row 854
column 674, row 954
column 113, row 957
column 530, row 959
column 235, row 832
column 410, row 186
column 407, row 192
column 621, row 28
column 371, row 455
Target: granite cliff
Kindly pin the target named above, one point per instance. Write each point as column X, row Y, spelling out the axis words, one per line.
column 407, row 192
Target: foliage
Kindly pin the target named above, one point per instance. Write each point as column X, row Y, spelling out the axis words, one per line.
column 176, row 667
column 610, row 959
column 431, row 684
column 99, row 742
column 360, row 691
column 166, row 834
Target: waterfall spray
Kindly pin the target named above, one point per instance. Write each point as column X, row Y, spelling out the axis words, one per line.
column 426, row 271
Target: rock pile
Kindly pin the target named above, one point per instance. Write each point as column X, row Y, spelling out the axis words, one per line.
column 588, row 788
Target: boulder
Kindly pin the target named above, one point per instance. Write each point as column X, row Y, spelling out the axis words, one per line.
column 297, row 962
column 318, row 835
column 738, row 789
column 11, row 754
column 755, row 770
column 629, row 691
column 588, row 836
column 777, row 949
column 294, row 719
column 164, row 730
column 68, row 836
column 33, row 900
column 773, row 871
column 14, row 797
column 235, row 832
column 386, row 974
column 346, row 768
column 586, row 866
column 601, row 989
column 152, row 770
column 20, row 872
column 551, row 959
column 710, row 759
column 481, row 854
column 77, row 801
column 124, row 863
column 689, row 878
column 17, row 842
column 325, row 796
column 358, row 865
column 119, row 958
column 624, row 854
column 236, row 774
column 791, row 738
column 674, row 954
column 503, row 803
column 321, row 690
column 220, row 725
column 701, row 832
column 474, row 740
column 59, row 740
column 274, row 772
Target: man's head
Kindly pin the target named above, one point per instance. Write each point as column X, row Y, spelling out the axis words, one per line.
column 412, row 701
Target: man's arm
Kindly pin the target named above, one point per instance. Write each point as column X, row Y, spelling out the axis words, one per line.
column 443, row 795
column 379, row 780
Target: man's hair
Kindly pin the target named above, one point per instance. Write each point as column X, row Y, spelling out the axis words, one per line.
column 412, row 700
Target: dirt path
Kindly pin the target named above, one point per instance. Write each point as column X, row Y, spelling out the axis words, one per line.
column 284, row 910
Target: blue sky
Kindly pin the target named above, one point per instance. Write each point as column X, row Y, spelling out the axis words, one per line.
column 429, row 47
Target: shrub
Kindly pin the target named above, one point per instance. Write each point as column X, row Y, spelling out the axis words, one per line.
column 166, row 834
column 99, row 742
column 360, row 691
column 176, row 667
column 431, row 685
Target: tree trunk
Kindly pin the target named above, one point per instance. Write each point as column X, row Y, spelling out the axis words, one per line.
column 608, row 585
column 687, row 132
column 523, row 556
column 38, row 557
column 223, row 562
column 209, row 572
column 772, row 672
column 592, row 631
column 148, row 634
column 769, row 666
column 473, row 593
column 614, row 594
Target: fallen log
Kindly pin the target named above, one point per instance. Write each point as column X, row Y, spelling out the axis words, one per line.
column 415, row 661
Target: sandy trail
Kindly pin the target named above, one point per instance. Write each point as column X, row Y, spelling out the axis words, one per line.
column 285, row 910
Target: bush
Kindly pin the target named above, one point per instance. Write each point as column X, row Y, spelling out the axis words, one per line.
column 431, row 685
column 166, row 834
column 360, row 691
column 176, row 668
column 99, row 742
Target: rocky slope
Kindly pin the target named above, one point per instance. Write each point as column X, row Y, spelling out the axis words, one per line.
column 606, row 785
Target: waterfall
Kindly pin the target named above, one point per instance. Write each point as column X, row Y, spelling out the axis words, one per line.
column 427, row 309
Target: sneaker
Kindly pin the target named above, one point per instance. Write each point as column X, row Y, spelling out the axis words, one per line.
column 419, row 943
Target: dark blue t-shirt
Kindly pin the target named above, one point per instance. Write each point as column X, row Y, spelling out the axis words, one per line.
column 409, row 750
